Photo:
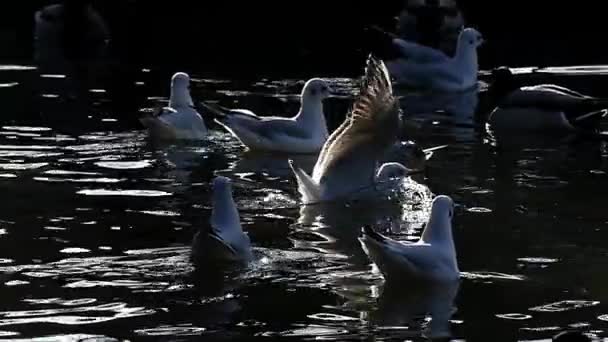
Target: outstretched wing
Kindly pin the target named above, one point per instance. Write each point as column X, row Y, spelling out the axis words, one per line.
column 372, row 125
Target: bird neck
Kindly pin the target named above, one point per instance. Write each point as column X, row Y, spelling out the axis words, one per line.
column 311, row 114
column 438, row 231
column 466, row 59
column 224, row 209
column 180, row 99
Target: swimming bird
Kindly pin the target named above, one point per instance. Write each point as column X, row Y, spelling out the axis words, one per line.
column 225, row 243
column 544, row 108
column 180, row 120
column 433, row 257
column 428, row 69
column 304, row 133
column 347, row 165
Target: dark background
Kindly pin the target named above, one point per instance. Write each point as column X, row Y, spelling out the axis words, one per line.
column 325, row 36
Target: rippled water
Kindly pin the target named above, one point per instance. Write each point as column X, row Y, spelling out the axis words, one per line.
column 96, row 224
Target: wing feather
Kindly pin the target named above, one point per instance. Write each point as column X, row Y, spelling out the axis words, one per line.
column 372, row 124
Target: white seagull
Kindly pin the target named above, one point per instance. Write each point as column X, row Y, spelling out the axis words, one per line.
column 180, row 120
column 348, row 163
column 304, row 133
column 544, row 108
column 429, row 69
column 432, row 258
column 225, row 242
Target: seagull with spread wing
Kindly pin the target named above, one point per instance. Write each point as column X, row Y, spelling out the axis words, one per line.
column 348, row 162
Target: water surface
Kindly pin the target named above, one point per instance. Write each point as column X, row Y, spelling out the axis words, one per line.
column 97, row 220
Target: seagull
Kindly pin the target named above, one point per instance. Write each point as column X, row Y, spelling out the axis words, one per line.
column 544, row 108
column 180, row 120
column 429, row 69
column 432, row 258
column 305, row 133
column 347, row 164
column 225, row 243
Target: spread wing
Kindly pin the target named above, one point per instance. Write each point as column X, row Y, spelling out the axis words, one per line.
column 371, row 126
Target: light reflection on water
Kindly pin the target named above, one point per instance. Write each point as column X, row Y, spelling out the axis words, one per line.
column 97, row 224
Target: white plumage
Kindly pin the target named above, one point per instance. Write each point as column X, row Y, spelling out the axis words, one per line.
column 348, row 163
column 433, row 257
column 180, row 120
column 225, row 242
column 305, row 132
column 429, row 69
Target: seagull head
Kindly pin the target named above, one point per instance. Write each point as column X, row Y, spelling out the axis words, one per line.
column 390, row 171
column 222, row 184
column 471, row 38
column 442, row 211
column 316, row 88
column 180, row 90
column 443, row 205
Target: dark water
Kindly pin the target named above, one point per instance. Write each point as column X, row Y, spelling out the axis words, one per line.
column 96, row 224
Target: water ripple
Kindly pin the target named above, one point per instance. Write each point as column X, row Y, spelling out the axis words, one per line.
column 565, row 305
column 69, row 338
column 165, row 213
column 538, row 260
column 22, row 166
column 129, row 193
column 514, row 316
column 490, row 276
column 70, row 173
column 125, row 165
column 26, row 129
column 79, row 180
column 28, row 154
column 74, row 250
column 65, row 316
column 332, row 317
column 314, row 330
column 165, row 330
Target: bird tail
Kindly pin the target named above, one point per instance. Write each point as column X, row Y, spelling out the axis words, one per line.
column 370, row 233
column 306, row 185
